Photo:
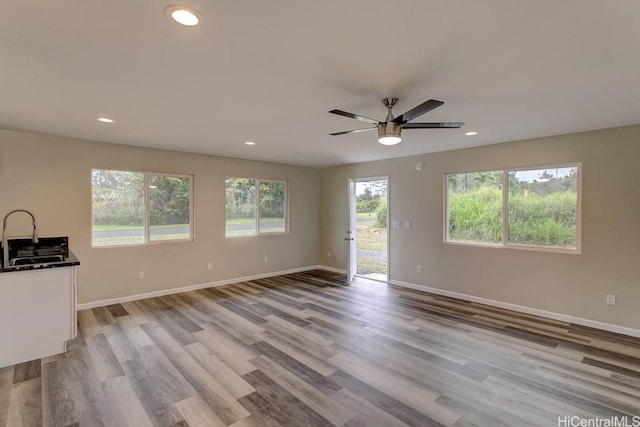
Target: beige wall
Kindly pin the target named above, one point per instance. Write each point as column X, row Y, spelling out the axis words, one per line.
column 51, row 177
column 574, row 285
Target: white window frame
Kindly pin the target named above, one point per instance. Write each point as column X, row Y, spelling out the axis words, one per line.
column 258, row 181
column 504, row 244
column 147, row 214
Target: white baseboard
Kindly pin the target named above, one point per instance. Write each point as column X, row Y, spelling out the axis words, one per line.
column 171, row 291
column 522, row 309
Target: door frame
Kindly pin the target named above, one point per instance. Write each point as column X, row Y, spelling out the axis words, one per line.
column 351, row 234
column 352, row 256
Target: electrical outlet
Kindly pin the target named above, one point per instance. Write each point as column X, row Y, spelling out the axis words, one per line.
column 141, row 275
column 210, row 266
column 266, row 258
column 329, row 254
column 611, row 299
column 419, row 268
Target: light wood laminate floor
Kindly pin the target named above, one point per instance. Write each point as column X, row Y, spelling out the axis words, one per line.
column 302, row 349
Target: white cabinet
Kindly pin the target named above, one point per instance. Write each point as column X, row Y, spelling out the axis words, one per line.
column 37, row 313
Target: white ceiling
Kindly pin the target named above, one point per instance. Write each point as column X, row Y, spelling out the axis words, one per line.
column 269, row 71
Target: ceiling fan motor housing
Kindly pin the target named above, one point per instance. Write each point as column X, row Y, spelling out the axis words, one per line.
column 389, row 133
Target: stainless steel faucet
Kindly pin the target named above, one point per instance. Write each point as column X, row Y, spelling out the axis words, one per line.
column 5, row 245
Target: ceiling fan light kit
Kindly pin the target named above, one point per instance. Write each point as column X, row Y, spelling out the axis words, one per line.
column 389, row 131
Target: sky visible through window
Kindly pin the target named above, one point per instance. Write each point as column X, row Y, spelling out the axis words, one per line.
column 537, row 175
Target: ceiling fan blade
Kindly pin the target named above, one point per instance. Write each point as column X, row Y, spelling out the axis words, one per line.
column 355, row 116
column 418, row 111
column 353, row 131
column 443, row 125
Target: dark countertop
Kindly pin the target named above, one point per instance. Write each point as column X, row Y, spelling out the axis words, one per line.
column 46, row 246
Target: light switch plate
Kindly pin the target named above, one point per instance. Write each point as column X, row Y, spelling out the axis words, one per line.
column 406, row 224
column 395, row 224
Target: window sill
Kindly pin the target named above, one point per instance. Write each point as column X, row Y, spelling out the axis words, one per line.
column 549, row 249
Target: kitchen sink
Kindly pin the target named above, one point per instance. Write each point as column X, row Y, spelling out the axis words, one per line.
column 31, row 260
column 22, row 253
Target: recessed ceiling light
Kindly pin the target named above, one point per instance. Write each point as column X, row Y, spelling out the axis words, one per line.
column 249, row 143
column 105, row 120
column 183, row 15
column 471, row 133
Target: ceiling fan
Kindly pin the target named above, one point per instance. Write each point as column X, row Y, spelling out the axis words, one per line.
column 389, row 130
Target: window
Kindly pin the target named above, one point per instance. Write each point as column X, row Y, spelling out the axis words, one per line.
column 475, row 207
column 134, row 208
column 543, row 207
column 525, row 208
column 255, row 207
